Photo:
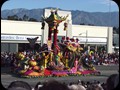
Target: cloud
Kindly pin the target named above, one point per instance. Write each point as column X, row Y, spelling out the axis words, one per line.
column 102, row 2
column 107, row 2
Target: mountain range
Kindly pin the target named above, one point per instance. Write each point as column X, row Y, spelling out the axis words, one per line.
column 78, row 17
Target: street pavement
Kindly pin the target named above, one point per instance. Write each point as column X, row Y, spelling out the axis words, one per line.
column 106, row 71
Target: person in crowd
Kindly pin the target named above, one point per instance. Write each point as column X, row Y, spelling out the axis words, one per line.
column 98, row 58
column 104, row 86
column 94, row 87
column 112, row 82
column 73, row 87
column 54, row 85
column 19, row 85
column 38, row 86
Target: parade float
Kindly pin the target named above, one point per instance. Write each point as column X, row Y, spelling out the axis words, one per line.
column 55, row 58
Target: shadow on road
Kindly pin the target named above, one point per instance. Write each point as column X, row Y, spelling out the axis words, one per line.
column 7, row 71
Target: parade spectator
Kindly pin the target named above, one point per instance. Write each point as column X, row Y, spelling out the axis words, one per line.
column 112, row 81
column 19, row 85
column 94, row 87
column 111, row 84
column 54, row 85
column 97, row 58
column 73, row 87
column 38, row 86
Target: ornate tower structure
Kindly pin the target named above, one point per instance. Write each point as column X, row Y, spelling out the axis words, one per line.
column 53, row 22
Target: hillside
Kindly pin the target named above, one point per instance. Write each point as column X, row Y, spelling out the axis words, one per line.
column 78, row 17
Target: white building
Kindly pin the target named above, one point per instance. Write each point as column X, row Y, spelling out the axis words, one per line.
column 14, row 33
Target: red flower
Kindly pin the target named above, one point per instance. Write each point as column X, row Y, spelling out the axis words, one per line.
column 47, row 72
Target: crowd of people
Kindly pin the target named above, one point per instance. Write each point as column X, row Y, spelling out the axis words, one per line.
column 111, row 83
column 9, row 58
column 101, row 58
column 97, row 58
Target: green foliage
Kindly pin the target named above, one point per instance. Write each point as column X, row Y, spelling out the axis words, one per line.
column 32, row 19
column 25, row 18
column 14, row 17
column 115, row 30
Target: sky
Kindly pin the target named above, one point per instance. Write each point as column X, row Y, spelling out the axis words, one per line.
column 82, row 5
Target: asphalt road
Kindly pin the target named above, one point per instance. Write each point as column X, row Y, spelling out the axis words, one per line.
column 106, row 71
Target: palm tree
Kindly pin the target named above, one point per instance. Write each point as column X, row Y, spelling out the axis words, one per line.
column 25, row 18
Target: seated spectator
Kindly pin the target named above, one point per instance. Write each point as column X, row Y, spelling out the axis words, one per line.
column 17, row 88
column 112, row 81
column 19, row 85
column 104, row 86
column 80, row 87
column 54, row 85
column 38, row 86
column 76, row 87
column 95, row 87
column 73, row 87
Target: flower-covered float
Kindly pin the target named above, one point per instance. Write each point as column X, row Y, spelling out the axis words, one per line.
column 54, row 59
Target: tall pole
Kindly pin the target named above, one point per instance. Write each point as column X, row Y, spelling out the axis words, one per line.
column 66, row 35
column 43, row 27
column 42, row 37
column 66, row 28
column 86, row 40
column 86, row 37
column 108, row 41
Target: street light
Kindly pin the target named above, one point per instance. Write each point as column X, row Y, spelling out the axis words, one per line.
column 86, row 36
column 42, row 38
column 66, row 24
column 108, row 36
